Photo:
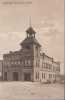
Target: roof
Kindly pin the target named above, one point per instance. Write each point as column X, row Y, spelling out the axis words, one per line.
column 45, row 55
column 30, row 40
column 30, row 30
column 51, row 58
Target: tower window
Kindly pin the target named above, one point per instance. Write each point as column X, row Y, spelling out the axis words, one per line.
column 36, row 51
column 28, row 47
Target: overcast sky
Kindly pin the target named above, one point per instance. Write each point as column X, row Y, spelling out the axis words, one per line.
column 47, row 18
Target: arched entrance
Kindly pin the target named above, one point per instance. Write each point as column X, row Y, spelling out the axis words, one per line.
column 15, row 76
column 5, row 76
column 27, row 76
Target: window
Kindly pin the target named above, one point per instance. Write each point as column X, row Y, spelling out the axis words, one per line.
column 28, row 47
column 22, row 62
column 53, row 75
column 50, row 67
column 57, row 69
column 54, row 68
column 36, row 63
column 36, row 51
column 42, row 75
column 18, row 62
column 50, row 75
column 25, row 62
column 29, row 62
column 37, row 75
column 44, row 65
column 12, row 62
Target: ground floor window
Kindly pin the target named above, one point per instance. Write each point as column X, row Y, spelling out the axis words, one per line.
column 37, row 75
column 43, row 75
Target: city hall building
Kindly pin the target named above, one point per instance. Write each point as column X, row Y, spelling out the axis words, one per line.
column 29, row 64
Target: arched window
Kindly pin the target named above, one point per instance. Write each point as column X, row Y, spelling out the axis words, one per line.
column 36, row 51
column 42, row 75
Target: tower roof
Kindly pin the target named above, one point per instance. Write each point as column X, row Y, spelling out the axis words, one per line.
column 30, row 30
column 30, row 41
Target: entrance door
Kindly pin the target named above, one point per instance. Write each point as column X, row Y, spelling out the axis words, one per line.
column 27, row 77
column 15, row 76
column 5, row 76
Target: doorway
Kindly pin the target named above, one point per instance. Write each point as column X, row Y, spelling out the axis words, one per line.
column 15, row 76
column 27, row 77
column 5, row 76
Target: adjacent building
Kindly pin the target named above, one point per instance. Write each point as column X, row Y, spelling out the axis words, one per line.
column 1, row 66
column 29, row 64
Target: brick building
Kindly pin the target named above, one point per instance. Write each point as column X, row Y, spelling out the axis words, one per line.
column 28, row 64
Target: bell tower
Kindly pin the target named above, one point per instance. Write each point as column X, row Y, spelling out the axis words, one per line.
column 31, row 44
column 30, row 32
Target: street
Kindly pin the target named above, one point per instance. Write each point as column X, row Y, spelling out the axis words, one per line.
column 31, row 91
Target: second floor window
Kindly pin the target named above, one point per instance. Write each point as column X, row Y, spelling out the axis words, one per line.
column 27, row 62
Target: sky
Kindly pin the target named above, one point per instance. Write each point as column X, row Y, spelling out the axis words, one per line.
column 47, row 18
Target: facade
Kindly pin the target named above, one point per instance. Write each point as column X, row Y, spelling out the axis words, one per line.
column 49, row 69
column 28, row 64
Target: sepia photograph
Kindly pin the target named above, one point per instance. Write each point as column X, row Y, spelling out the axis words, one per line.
column 32, row 50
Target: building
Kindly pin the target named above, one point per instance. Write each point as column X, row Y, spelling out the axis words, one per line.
column 61, row 78
column 28, row 64
column 1, row 64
